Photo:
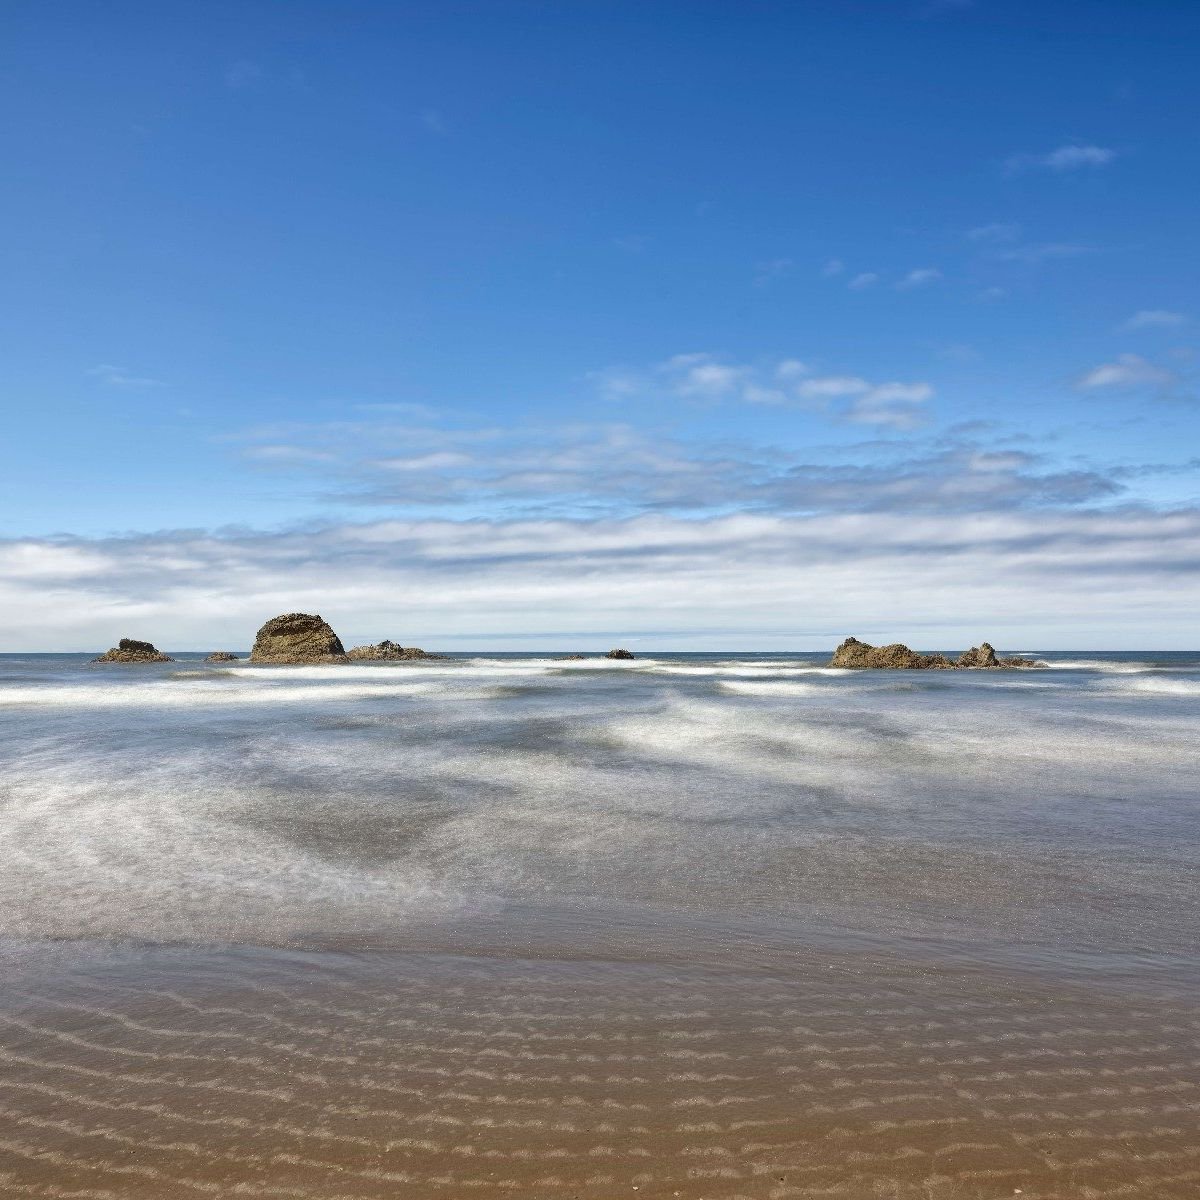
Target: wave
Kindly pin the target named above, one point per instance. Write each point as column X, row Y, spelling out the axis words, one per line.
column 168, row 694
column 774, row 687
column 1099, row 664
column 1153, row 685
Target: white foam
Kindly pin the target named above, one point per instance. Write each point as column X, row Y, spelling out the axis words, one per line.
column 1100, row 664
column 198, row 694
column 778, row 687
column 1153, row 685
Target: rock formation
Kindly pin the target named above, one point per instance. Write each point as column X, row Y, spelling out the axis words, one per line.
column 389, row 652
column 297, row 638
column 221, row 656
column 978, row 656
column 619, row 654
column 129, row 651
column 572, row 657
column 897, row 657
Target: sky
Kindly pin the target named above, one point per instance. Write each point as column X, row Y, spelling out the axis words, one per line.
column 561, row 325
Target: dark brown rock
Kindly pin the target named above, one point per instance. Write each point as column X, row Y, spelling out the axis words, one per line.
column 897, row 657
column 619, row 654
column 297, row 638
column 127, row 650
column 221, row 656
column 387, row 651
column 978, row 656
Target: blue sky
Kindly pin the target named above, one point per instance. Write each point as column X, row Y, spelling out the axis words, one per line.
column 512, row 324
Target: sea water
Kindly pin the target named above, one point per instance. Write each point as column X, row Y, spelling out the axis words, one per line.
column 697, row 924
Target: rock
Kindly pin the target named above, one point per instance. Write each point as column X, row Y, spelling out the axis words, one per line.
column 221, row 656
column 896, row 657
column 573, row 657
column 1016, row 660
column 129, row 651
column 978, row 656
column 619, row 654
column 388, row 651
column 297, row 638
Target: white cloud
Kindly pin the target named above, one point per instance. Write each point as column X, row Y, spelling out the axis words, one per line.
column 918, row 278
column 1155, row 318
column 1070, row 157
column 433, row 120
column 865, row 280
column 791, row 368
column 1127, row 371
column 437, row 461
column 771, row 269
column 698, row 376
column 288, row 455
column 833, row 267
column 1017, row 577
column 997, row 231
column 897, row 406
column 829, row 387
column 122, row 377
column 1042, row 251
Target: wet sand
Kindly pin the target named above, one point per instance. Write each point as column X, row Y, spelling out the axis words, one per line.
column 384, row 1073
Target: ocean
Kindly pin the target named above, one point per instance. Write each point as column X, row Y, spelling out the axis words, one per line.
column 693, row 925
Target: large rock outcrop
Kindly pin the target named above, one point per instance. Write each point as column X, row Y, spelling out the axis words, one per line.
column 897, row 657
column 619, row 654
column 297, row 638
column 388, row 651
column 127, row 650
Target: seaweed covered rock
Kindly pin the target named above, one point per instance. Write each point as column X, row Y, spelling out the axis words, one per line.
column 297, row 638
column 388, row 651
column 894, row 657
column 221, row 656
column 619, row 654
column 127, row 650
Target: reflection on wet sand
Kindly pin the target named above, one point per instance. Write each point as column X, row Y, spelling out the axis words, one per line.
column 376, row 1075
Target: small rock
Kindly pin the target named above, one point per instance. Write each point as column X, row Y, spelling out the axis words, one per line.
column 221, row 656
column 127, row 650
column 389, row 652
column 619, row 654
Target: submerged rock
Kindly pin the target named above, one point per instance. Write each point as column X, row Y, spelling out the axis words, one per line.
column 389, row 652
column 297, row 638
column 574, row 657
column 127, row 650
column 619, row 654
column 897, row 657
column 221, row 656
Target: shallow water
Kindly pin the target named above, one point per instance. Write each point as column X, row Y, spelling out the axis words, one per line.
column 701, row 925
